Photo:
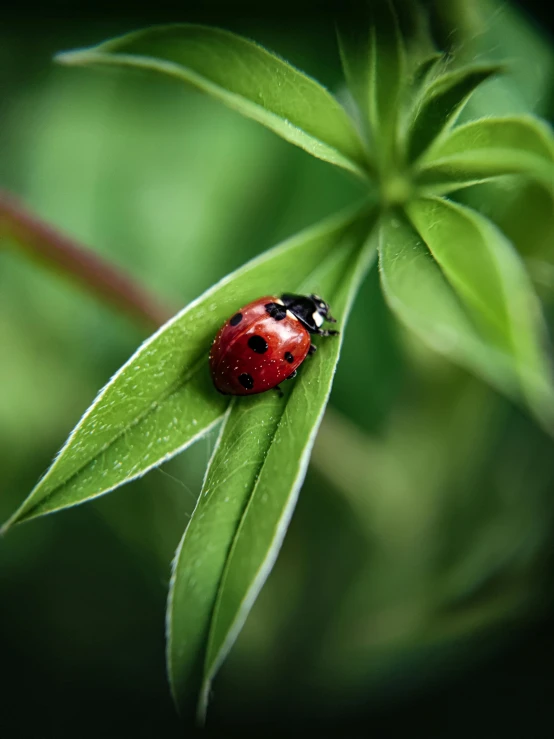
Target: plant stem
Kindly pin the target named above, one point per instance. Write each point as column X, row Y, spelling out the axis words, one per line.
column 77, row 262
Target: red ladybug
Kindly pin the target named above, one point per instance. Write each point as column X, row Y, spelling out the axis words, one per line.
column 265, row 342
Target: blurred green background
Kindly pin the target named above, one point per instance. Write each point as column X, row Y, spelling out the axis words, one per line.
column 415, row 582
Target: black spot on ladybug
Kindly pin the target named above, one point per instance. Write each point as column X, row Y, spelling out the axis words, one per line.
column 258, row 344
column 276, row 311
column 236, row 319
column 289, row 357
column 246, row 381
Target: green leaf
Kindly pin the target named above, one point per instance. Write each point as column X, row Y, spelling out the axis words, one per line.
column 489, row 148
column 245, row 77
column 249, row 494
column 490, row 280
column 504, row 200
column 426, row 71
column 441, row 103
column 162, row 399
column 373, row 59
column 423, row 300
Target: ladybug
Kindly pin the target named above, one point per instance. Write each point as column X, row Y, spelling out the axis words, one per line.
column 265, row 343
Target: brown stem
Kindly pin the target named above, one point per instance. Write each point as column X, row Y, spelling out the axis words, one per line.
column 78, row 262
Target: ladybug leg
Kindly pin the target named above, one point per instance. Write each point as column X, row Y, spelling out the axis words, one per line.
column 292, row 374
column 326, row 332
column 279, row 391
column 312, row 349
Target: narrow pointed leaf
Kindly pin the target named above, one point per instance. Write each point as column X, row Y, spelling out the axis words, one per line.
column 423, row 300
column 243, row 76
column 490, row 280
column 162, row 399
column 373, row 59
column 441, row 104
column 250, row 492
column 426, row 70
column 489, row 148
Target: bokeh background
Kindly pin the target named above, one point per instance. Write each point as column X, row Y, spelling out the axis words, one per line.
column 414, row 588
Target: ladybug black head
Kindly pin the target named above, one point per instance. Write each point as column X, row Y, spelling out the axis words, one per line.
column 311, row 310
column 322, row 308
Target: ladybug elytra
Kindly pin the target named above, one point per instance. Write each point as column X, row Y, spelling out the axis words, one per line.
column 265, row 342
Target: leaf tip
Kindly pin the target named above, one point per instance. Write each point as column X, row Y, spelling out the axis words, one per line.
column 22, row 514
column 498, row 69
column 488, row 71
column 202, row 706
column 71, row 58
column 7, row 525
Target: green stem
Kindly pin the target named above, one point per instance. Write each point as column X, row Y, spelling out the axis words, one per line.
column 80, row 264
